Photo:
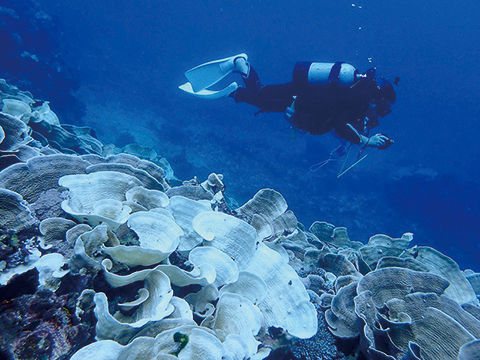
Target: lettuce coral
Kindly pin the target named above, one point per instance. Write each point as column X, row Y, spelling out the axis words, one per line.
column 174, row 273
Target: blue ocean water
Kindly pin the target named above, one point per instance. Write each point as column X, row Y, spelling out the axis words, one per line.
column 121, row 63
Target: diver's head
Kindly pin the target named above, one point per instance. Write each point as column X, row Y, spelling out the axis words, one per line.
column 384, row 91
column 384, row 96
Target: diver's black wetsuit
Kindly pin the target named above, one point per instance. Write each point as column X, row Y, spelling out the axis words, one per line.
column 318, row 110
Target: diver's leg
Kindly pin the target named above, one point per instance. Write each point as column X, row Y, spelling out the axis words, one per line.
column 281, row 91
column 252, row 81
column 274, row 98
column 254, row 86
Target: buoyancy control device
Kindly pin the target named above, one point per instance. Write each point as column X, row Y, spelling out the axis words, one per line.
column 307, row 73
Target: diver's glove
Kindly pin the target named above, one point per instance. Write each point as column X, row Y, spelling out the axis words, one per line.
column 379, row 141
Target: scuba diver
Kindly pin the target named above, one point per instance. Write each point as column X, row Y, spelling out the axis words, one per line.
column 320, row 98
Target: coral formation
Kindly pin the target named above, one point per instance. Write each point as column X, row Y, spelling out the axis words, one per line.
column 400, row 307
column 33, row 56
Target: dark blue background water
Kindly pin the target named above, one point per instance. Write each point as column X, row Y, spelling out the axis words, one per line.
column 129, row 58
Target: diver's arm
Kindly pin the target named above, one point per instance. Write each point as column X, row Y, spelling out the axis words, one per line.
column 376, row 140
column 364, row 141
column 349, row 133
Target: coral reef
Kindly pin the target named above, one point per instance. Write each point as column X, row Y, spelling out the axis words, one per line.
column 33, row 56
column 41, row 326
column 394, row 301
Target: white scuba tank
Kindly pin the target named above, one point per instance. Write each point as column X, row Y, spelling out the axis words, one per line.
column 308, row 73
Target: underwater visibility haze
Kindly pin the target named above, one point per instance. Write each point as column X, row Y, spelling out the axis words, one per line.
column 115, row 67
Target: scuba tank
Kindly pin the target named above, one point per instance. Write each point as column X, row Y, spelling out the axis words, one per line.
column 307, row 73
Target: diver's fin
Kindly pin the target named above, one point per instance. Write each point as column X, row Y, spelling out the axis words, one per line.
column 208, row 74
column 209, row 94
